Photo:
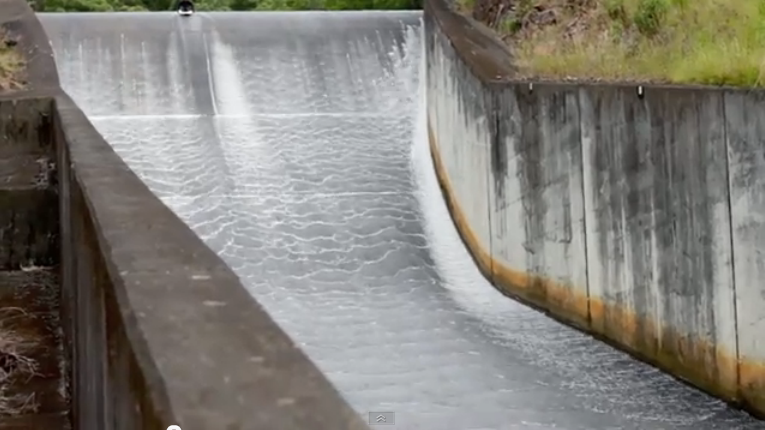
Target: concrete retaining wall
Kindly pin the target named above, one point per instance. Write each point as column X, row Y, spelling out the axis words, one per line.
column 745, row 128
column 633, row 213
column 28, row 215
column 159, row 331
column 466, row 123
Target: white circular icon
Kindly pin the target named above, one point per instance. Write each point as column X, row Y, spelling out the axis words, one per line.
column 174, row 428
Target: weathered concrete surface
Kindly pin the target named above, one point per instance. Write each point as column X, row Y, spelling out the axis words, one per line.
column 658, row 229
column 537, row 211
column 745, row 128
column 28, row 228
column 469, row 121
column 34, row 381
column 158, row 330
column 28, row 215
column 21, row 25
column 610, row 208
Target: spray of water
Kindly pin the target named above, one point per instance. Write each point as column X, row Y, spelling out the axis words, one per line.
column 460, row 275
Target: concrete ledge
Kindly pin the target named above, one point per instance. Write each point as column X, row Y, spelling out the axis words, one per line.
column 632, row 213
column 489, row 59
column 23, row 26
column 159, row 330
column 208, row 355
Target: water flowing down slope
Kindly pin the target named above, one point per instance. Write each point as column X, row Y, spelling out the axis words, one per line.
column 293, row 144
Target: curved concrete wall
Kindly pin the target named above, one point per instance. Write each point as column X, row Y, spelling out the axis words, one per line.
column 159, row 330
column 633, row 213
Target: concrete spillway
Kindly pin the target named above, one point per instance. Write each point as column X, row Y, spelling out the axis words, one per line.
column 293, row 144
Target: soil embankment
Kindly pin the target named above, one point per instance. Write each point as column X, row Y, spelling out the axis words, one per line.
column 707, row 42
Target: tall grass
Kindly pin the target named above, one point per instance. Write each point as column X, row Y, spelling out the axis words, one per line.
column 713, row 42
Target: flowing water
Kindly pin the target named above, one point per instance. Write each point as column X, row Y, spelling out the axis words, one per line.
column 295, row 145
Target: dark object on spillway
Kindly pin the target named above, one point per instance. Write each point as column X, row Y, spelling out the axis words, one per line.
column 185, row 8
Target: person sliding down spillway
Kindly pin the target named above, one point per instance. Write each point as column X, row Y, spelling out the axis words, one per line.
column 185, row 7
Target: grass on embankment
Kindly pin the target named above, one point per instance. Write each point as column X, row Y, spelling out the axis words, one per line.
column 713, row 42
column 11, row 65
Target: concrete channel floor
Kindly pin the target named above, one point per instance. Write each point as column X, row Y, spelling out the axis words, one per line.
column 292, row 143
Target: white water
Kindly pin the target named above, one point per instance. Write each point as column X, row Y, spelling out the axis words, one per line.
column 370, row 278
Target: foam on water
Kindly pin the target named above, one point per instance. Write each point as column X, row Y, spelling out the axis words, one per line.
column 306, row 166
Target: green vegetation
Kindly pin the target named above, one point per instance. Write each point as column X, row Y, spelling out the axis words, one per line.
column 238, row 5
column 713, row 42
column 11, row 65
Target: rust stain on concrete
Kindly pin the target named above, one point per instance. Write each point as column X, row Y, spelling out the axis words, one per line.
column 698, row 361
